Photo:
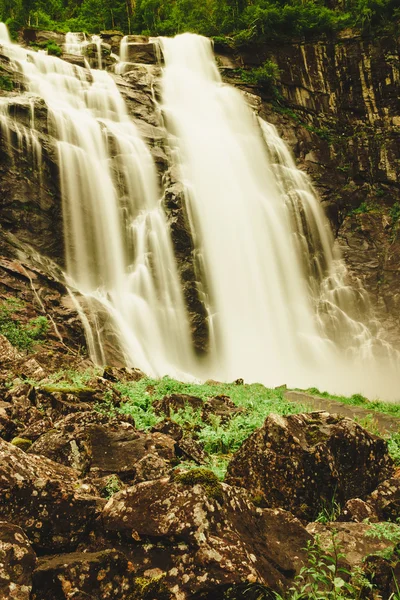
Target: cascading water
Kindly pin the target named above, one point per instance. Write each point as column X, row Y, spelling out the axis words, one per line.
column 118, row 252
column 75, row 43
column 282, row 311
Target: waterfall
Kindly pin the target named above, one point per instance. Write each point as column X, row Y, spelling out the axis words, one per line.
column 282, row 308
column 280, row 305
column 75, row 43
column 119, row 255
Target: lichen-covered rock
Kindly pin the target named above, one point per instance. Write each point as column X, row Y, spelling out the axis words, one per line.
column 385, row 500
column 17, row 561
column 94, row 443
column 301, row 462
column 203, row 535
column 355, row 541
column 358, row 510
column 221, row 407
column 45, row 499
column 107, row 575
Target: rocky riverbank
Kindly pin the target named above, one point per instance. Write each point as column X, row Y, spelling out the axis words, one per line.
column 111, row 488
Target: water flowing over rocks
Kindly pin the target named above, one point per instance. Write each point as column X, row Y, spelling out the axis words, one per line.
column 301, row 462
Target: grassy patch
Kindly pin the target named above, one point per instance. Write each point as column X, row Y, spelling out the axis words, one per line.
column 220, row 440
column 21, row 335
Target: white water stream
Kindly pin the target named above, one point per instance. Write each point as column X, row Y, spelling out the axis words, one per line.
column 281, row 310
column 118, row 252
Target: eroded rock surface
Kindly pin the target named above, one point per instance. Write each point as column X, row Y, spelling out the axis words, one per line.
column 301, row 462
column 17, row 562
column 202, row 535
column 45, row 499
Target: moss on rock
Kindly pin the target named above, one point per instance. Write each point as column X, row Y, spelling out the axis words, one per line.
column 204, row 477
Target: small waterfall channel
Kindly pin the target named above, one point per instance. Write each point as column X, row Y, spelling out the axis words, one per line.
column 281, row 309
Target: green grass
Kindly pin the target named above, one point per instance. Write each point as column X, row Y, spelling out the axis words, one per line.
column 388, row 408
column 21, row 335
column 219, row 440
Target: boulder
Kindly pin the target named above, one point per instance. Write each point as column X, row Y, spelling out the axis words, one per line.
column 17, row 561
column 385, row 500
column 141, row 52
column 358, row 510
column 175, row 402
column 94, row 443
column 45, row 499
column 40, row 36
column 86, row 576
column 355, row 541
column 303, row 462
column 221, row 407
column 203, row 536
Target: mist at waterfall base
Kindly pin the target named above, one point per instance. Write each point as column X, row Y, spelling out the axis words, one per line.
column 280, row 307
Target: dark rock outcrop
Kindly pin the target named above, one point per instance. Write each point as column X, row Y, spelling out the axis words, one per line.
column 303, row 462
column 93, row 444
column 45, row 499
column 17, row 562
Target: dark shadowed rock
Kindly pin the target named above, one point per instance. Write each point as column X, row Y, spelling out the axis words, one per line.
column 175, row 402
column 98, row 445
column 203, row 535
column 45, row 499
column 106, row 575
column 170, row 428
column 17, row 561
column 301, row 462
column 385, row 500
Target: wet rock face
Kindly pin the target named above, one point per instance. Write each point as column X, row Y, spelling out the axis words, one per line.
column 45, row 499
column 17, row 562
column 204, row 535
column 302, row 462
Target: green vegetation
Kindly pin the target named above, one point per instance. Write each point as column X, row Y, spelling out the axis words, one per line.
column 112, row 486
column 204, row 477
column 6, row 83
column 389, row 408
column 21, row 335
column 243, row 21
column 266, row 75
column 51, row 47
column 220, row 440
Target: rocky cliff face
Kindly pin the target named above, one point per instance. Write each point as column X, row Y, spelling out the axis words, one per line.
column 337, row 105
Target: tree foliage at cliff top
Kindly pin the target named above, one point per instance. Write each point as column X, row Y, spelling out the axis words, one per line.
column 243, row 20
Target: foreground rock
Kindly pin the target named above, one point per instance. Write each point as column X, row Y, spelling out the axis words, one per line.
column 45, row 499
column 302, row 462
column 202, row 536
column 17, row 561
column 91, row 442
column 91, row 575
